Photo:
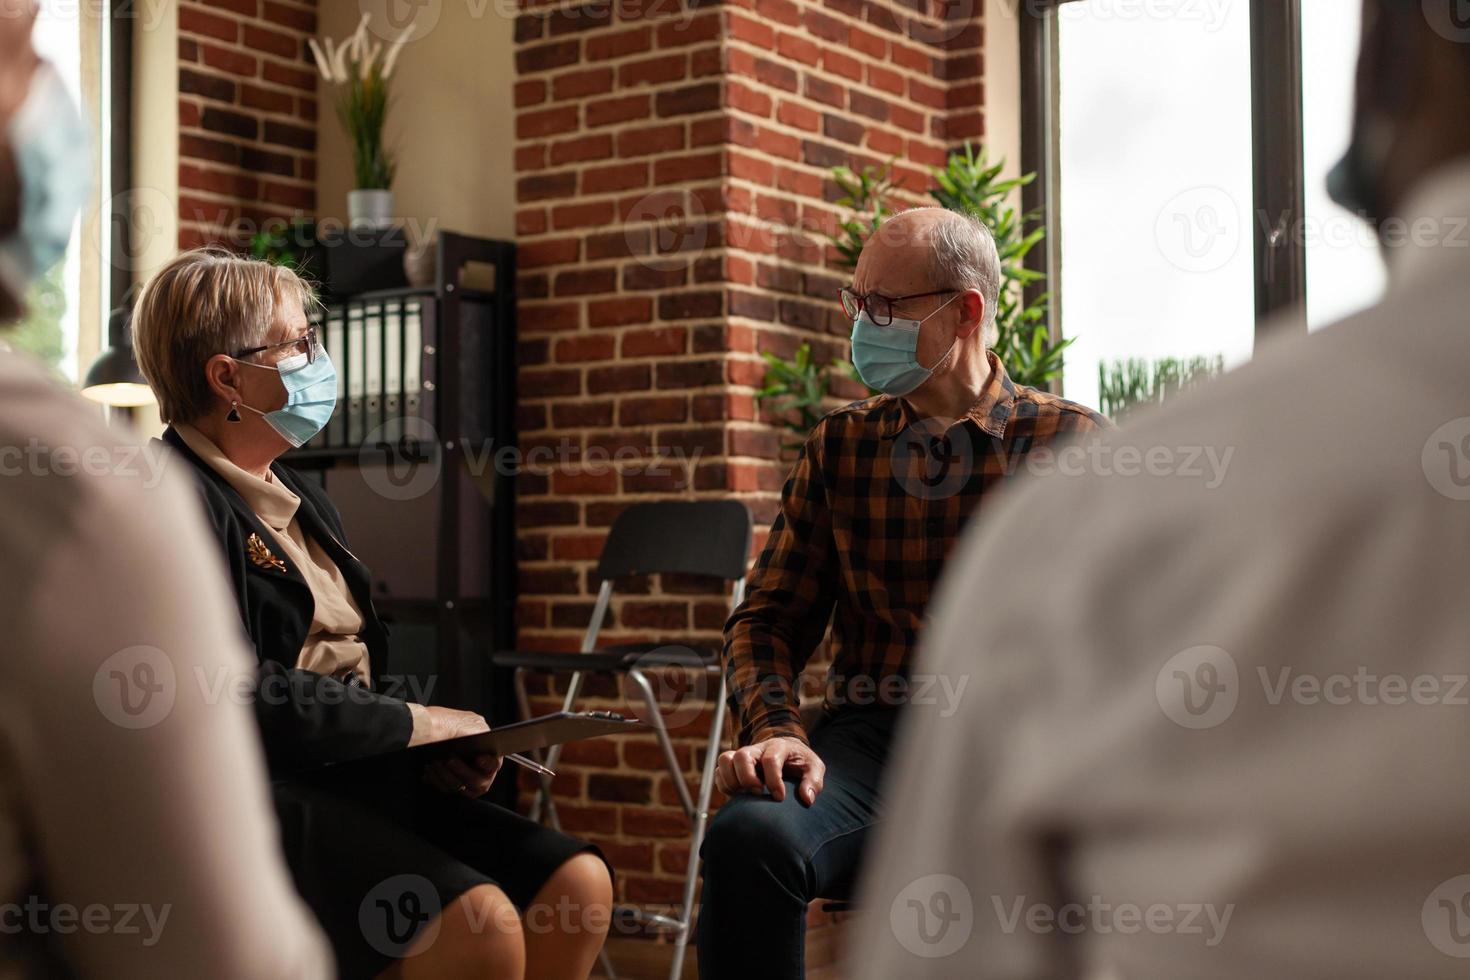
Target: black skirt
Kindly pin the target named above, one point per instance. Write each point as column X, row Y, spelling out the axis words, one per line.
column 379, row 855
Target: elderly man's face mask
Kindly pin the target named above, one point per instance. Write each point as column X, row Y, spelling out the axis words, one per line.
column 887, row 355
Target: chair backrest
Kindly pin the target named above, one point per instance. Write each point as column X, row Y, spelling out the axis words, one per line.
column 689, row 537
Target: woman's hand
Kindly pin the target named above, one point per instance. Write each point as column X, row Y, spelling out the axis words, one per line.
column 466, row 777
column 450, row 723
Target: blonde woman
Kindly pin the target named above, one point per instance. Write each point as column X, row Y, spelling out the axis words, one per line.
column 410, row 877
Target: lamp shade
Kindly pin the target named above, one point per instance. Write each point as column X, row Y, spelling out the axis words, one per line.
column 114, row 378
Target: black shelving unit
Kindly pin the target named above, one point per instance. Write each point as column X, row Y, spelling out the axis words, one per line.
column 442, row 552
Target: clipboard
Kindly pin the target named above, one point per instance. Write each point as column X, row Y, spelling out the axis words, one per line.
column 534, row 733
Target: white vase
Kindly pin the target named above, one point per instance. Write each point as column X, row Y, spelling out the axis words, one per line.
column 370, row 208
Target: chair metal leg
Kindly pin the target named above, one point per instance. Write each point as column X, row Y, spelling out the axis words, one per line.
column 574, row 687
column 697, row 809
column 701, row 819
column 543, row 781
column 701, row 807
column 589, row 643
column 543, row 793
column 655, row 719
column 569, row 703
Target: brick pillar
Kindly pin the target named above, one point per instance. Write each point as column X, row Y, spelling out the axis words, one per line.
column 673, row 183
column 247, row 117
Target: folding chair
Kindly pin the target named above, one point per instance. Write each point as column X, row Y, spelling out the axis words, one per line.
column 704, row 538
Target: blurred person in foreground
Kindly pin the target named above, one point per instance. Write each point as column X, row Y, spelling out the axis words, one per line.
column 1229, row 739
column 241, row 377
column 868, row 517
column 137, row 838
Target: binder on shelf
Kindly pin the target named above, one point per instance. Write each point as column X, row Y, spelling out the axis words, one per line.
column 335, row 341
column 420, row 358
column 372, row 399
column 355, row 367
column 387, row 369
column 392, row 370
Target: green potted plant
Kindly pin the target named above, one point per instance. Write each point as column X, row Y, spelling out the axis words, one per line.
column 282, row 242
column 1127, row 385
column 798, row 388
column 361, row 69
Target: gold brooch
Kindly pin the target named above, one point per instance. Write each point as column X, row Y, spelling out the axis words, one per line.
column 261, row 555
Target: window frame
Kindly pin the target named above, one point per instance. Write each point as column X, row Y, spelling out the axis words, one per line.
column 1279, row 154
column 117, row 105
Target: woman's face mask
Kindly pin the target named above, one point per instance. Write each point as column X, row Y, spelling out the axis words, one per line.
column 53, row 162
column 887, row 357
column 311, row 394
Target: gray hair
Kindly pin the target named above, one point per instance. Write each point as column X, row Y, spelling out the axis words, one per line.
column 963, row 256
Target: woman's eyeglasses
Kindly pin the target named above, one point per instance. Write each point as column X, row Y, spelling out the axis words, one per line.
column 305, row 344
column 879, row 307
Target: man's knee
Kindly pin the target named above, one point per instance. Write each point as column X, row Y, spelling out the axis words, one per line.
column 755, row 835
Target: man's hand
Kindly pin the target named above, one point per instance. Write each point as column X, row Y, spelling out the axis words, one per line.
column 737, row 772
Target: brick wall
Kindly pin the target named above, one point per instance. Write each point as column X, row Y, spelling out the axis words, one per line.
column 247, row 117
column 673, row 180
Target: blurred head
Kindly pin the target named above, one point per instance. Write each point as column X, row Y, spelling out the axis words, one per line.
column 195, row 319
column 1413, row 84
column 948, row 255
column 45, row 160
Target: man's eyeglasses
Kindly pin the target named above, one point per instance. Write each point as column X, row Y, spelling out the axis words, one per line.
column 305, row 344
column 879, row 307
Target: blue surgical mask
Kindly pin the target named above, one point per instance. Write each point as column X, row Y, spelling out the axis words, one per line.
column 53, row 163
column 311, row 394
column 887, row 357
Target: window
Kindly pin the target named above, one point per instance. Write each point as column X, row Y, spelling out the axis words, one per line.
column 67, row 307
column 1345, row 272
column 1154, row 187
column 51, row 325
column 1173, row 138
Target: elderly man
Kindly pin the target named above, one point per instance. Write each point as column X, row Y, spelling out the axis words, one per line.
column 1229, row 738
column 879, row 495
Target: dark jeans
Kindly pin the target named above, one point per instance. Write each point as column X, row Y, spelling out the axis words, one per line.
column 765, row 861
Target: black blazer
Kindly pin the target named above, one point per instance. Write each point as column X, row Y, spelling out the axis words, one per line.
column 305, row 718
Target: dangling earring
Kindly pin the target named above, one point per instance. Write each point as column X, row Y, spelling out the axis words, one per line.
column 234, row 415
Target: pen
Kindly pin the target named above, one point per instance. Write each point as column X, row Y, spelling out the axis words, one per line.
column 530, row 764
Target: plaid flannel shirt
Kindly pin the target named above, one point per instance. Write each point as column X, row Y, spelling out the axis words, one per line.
column 875, row 504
